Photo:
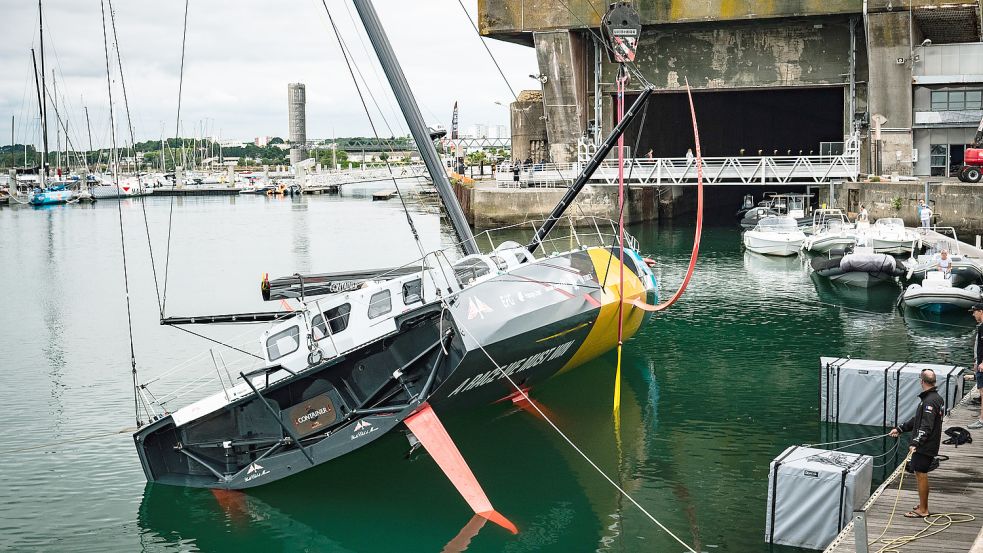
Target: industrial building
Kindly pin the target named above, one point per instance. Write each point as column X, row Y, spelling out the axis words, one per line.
column 771, row 78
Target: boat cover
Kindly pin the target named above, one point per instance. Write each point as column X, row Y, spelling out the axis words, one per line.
column 868, row 263
column 879, row 393
column 812, row 494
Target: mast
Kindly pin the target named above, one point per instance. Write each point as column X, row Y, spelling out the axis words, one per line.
column 88, row 129
column 44, row 103
column 54, row 103
column 37, row 85
column 414, row 119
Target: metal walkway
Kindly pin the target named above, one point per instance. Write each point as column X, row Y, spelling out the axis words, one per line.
column 743, row 171
column 335, row 179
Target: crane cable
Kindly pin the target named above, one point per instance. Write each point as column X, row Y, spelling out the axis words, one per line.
column 622, row 80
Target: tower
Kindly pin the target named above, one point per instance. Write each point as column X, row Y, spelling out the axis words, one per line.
column 297, row 116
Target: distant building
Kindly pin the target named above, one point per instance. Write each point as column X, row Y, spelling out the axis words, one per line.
column 262, row 141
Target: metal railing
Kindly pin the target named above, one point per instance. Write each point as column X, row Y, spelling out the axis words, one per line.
column 735, row 170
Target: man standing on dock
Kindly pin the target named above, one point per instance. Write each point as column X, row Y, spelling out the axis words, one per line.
column 977, row 311
column 926, row 436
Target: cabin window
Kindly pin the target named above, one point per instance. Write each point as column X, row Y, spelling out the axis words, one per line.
column 500, row 263
column 283, row 343
column 412, row 292
column 380, row 303
column 337, row 319
column 470, row 270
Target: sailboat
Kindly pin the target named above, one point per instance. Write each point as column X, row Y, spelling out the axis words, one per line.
column 44, row 194
column 367, row 354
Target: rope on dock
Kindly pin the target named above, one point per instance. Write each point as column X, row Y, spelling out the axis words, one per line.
column 935, row 523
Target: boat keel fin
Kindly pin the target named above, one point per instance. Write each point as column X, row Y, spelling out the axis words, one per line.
column 428, row 429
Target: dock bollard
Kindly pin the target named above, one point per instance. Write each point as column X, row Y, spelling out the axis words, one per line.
column 860, row 531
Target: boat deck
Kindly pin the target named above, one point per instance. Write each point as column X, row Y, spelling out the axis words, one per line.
column 956, row 487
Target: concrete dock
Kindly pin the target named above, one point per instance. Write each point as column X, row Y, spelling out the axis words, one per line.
column 956, row 487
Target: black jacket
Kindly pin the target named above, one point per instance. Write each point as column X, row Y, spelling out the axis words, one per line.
column 978, row 347
column 926, row 425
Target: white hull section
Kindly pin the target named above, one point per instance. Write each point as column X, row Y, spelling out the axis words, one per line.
column 939, row 298
column 768, row 243
column 884, row 245
column 823, row 244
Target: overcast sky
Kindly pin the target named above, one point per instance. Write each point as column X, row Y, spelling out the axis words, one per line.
column 240, row 57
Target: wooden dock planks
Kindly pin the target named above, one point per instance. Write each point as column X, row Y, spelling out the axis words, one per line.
column 956, row 487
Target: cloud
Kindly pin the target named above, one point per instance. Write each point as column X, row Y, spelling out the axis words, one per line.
column 239, row 59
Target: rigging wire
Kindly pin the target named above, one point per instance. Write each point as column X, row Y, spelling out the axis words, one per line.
column 129, row 122
column 368, row 115
column 375, row 71
column 177, row 134
column 485, row 44
column 566, row 438
column 119, row 208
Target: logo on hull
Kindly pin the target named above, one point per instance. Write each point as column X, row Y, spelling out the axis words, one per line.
column 254, row 471
column 363, row 428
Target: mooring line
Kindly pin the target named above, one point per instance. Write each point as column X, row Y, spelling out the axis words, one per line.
column 69, row 441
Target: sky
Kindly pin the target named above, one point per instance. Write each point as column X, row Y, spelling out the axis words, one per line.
column 239, row 58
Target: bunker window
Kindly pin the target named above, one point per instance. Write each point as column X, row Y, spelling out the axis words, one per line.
column 380, row 303
column 412, row 292
column 283, row 343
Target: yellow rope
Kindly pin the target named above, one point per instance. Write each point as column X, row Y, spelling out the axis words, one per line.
column 935, row 524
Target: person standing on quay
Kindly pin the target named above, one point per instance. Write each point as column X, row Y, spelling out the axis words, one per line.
column 977, row 311
column 925, row 214
column 926, row 436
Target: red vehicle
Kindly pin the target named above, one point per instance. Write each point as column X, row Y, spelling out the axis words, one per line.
column 973, row 159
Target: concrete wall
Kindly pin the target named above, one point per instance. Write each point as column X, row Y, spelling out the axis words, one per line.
column 528, row 126
column 560, row 55
column 496, row 207
column 889, row 90
column 957, row 205
column 509, row 19
column 771, row 53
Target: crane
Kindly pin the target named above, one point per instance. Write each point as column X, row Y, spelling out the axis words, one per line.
column 973, row 159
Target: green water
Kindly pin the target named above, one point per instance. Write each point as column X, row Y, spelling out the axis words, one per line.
column 713, row 390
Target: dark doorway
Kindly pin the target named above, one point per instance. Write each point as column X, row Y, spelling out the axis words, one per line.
column 789, row 121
